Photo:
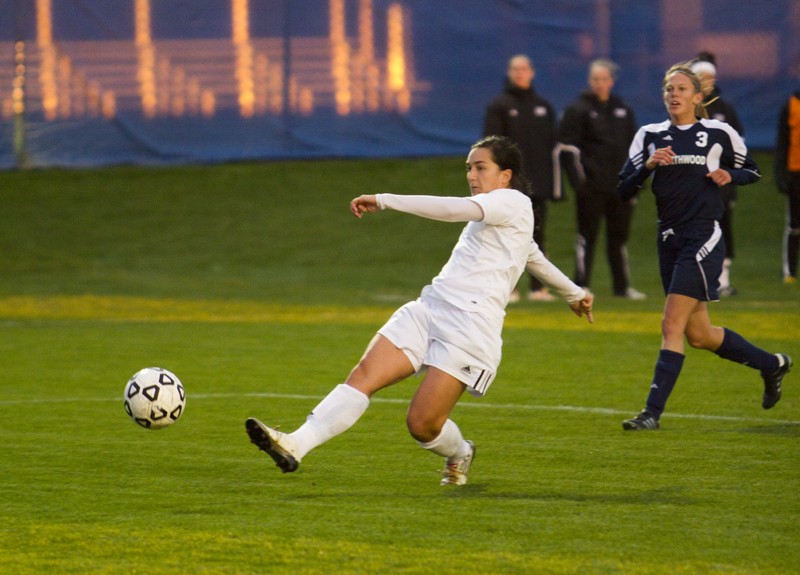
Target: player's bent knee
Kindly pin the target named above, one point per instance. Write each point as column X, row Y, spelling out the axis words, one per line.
column 422, row 428
column 695, row 342
column 701, row 340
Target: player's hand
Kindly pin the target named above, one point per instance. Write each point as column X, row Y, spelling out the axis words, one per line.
column 584, row 307
column 661, row 157
column 363, row 204
column 720, row 177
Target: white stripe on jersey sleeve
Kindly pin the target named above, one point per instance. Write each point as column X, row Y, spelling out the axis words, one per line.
column 713, row 157
column 739, row 147
column 636, row 150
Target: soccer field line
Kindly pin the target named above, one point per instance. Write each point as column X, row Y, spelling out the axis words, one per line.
column 532, row 407
column 466, row 405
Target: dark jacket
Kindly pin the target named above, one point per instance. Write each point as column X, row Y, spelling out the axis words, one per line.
column 720, row 109
column 598, row 135
column 530, row 121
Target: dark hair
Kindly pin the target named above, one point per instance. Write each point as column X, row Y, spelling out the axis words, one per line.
column 706, row 56
column 507, row 155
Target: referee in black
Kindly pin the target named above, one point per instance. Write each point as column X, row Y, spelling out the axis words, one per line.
column 594, row 135
column 521, row 114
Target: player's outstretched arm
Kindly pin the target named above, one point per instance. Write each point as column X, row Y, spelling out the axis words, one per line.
column 441, row 208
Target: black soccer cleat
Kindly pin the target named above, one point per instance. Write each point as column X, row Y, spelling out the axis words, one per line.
column 642, row 422
column 268, row 441
column 772, row 381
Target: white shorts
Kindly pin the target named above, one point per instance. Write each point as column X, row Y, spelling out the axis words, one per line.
column 464, row 344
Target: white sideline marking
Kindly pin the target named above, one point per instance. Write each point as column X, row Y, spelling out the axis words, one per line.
column 470, row 405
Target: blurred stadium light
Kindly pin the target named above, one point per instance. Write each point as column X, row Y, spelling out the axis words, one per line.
column 98, row 82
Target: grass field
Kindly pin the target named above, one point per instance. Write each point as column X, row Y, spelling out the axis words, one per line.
column 255, row 285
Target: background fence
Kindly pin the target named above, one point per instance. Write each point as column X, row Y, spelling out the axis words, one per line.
column 99, row 82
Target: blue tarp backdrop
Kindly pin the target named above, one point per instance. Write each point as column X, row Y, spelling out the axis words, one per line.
column 101, row 82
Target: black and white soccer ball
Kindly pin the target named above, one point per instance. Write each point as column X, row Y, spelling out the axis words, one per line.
column 154, row 398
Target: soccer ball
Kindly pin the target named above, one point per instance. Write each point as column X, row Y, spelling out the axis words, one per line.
column 154, row 398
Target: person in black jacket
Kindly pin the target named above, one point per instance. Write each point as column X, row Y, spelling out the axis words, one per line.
column 596, row 131
column 720, row 109
column 528, row 120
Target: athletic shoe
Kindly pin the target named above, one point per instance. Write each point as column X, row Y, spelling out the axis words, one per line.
column 642, row 422
column 772, row 381
column 633, row 295
column 789, row 280
column 269, row 440
column 514, row 296
column 541, row 295
column 455, row 471
column 727, row 291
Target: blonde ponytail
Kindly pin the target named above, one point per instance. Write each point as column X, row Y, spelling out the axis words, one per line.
column 700, row 111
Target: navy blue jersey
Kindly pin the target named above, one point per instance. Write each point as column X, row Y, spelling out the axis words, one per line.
column 683, row 192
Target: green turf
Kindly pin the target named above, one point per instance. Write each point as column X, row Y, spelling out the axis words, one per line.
column 254, row 284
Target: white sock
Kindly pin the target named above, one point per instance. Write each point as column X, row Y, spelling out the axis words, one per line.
column 334, row 415
column 450, row 443
column 725, row 276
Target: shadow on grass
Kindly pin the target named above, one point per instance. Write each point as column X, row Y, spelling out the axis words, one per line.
column 666, row 496
column 782, row 430
column 663, row 496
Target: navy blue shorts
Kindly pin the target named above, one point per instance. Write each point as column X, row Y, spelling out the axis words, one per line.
column 690, row 260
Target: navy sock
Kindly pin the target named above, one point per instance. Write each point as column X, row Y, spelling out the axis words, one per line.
column 736, row 348
column 668, row 368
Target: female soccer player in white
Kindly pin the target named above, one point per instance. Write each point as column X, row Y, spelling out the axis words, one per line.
column 453, row 331
column 690, row 159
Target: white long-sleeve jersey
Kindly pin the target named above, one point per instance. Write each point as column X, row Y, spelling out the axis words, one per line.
column 494, row 249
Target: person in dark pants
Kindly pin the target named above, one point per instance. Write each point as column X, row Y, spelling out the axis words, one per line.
column 787, row 177
column 720, row 109
column 528, row 120
column 595, row 132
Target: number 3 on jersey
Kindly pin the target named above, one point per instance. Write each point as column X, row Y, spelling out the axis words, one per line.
column 702, row 139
